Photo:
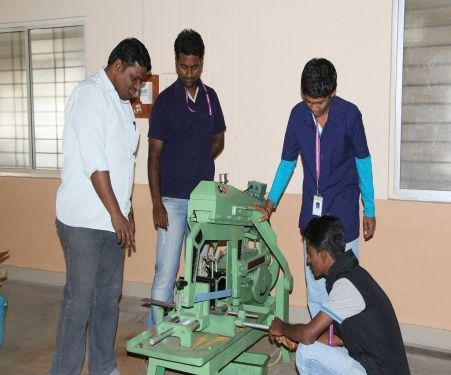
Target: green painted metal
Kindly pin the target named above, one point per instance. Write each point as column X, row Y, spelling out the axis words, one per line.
column 230, row 253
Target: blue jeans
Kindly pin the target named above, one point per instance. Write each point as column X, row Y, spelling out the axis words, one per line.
column 316, row 289
column 321, row 359
column 94, row 271
column 169, row 247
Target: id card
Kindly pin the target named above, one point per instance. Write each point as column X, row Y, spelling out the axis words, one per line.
column 317, row 205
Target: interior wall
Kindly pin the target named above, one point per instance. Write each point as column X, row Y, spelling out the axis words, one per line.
column 255, row 51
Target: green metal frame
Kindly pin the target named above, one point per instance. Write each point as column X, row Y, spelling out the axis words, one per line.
column 246, row 252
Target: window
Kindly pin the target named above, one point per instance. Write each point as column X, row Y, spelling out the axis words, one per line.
column 39, row 67
column 423, row 100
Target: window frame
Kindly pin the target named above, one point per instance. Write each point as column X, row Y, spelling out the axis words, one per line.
column 395, row 191
column 25, row 27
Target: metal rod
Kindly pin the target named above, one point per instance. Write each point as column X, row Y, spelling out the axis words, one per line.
column 247, row 315
column 195, row 324
column 256, row 326
column 160, row 337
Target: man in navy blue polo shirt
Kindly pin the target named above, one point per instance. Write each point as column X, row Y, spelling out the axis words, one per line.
column 327, row 133
column 186, row 134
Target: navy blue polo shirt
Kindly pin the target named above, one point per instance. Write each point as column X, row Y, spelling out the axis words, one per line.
column 186, row 157
column 342, row 140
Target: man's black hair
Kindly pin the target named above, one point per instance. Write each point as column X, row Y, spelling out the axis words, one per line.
column 319, row 78
column 326, row 233
column 129, row 51
column 189, row 42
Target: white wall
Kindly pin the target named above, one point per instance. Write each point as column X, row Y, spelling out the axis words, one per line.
column 255, row 52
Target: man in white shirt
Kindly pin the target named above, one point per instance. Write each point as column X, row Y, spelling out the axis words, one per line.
column 93, row 208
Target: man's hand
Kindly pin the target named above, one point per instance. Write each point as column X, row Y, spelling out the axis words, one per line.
column 160, row 216
column 276, row 330
column 285, row 341
column 131, row 220
column 125, row 231
column 265, row 209
column 369, row 226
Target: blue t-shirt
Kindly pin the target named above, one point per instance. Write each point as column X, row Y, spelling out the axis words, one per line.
column 342, row 141
column 186, row 157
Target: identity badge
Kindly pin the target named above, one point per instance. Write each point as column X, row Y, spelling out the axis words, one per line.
column 317, row 205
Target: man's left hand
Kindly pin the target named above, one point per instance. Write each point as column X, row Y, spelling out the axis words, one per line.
column 369, row 226
column 275, row 330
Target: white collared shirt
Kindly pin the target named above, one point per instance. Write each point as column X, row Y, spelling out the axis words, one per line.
column 100, row 134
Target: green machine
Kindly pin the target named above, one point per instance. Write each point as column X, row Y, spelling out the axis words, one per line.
column 235, row 281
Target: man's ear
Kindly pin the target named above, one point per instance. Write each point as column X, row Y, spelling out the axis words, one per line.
column 118, row 65
column 324, row 255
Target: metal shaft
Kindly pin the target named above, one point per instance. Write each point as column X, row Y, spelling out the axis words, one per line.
column 160, row 337
column 164, row 335
column 247, row 315
column 256, row 326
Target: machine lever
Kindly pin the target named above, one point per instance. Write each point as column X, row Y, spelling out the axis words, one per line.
column 180, row 284
column 255, row 326
column 155, row 302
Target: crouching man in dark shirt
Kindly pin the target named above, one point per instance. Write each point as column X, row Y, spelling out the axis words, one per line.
column 356, row 330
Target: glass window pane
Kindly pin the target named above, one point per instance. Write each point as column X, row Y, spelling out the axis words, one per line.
column 46, row 161
column 45, row 104
column 43, row 89
column 425, row 143
column 46, row 146
column 55, row 66
column 14, row 140
column 7, row 77
column 56, row 62
column 44, row 132
column 14, row 160
column 44, row 119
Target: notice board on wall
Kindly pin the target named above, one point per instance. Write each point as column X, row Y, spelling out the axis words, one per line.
column 142, row 106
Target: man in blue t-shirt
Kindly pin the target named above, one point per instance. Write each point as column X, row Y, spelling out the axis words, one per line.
column 327, row 133
column 186, row 134
column 356, row 330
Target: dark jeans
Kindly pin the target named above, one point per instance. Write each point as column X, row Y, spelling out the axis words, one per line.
column 94, row 271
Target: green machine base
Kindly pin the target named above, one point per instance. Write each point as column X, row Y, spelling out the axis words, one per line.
column 210, row 354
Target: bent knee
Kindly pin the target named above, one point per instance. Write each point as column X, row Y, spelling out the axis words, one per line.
column 306, row 353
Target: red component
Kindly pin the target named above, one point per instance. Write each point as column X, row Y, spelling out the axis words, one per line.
column 222, row 188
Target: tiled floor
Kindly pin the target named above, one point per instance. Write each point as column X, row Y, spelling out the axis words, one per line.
column 31, row 325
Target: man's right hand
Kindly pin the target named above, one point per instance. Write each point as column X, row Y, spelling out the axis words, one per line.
column 160, row 216
column 124, row 230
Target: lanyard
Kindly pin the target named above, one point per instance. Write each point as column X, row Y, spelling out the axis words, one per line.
column 317, row 154
column 210, row 112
